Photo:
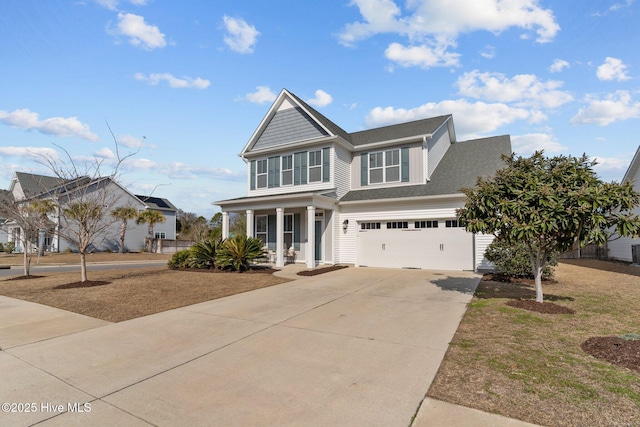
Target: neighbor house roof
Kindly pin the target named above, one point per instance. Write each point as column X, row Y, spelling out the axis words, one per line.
column 634, row 167
column 33, row 185
column 157, row 203
column 460, row 168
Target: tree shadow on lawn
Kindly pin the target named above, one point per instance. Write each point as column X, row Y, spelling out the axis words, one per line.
column 513, row 289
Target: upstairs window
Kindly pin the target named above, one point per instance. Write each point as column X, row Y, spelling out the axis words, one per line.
column 315, row 166
column 287, row 170
column 261, row 173
column 385, row 166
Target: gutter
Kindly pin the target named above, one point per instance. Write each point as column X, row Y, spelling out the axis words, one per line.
column 414, row 138
column 403, row 199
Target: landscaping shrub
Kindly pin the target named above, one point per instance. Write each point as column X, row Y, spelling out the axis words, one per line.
column 9, row 247
column 513, row 260
column 180, row 259
column 239, row 251
column 203, row 254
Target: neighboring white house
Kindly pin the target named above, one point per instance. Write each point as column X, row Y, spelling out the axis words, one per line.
column 384, row 197
column 25, row 186
column 620, row 248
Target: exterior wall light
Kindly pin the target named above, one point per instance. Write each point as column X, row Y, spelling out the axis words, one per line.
column 345, row 224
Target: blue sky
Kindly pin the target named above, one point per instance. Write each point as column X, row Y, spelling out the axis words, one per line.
column 187, row 83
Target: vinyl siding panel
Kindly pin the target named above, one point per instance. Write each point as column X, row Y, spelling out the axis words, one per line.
column 289, row 125
column 482, row 241
column 438, row 146
column 620, row 249
column 341, row 170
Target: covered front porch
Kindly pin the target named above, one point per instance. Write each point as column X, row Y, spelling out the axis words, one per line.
column 294, row 227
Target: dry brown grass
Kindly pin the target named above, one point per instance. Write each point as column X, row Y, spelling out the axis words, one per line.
column 530, row 366
column 131, row 293
column 73, row 258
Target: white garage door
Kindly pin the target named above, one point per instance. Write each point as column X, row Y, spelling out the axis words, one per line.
column 427, row 244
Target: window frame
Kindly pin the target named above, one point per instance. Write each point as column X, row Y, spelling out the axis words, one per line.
column 258, row 221
column 378, row 162
column 286, row 172
column 262, row 164
column 315, row 165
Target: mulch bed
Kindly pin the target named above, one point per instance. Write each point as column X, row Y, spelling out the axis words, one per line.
column 614, row 350
column 23, row 278
column 321, row 270
column 85, row 284
column 254, row 269
column 495, row 277
column 540, row 307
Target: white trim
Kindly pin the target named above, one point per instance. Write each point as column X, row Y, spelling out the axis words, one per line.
column 388, row 143
column 403, row 199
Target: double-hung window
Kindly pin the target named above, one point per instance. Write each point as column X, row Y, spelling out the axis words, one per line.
column 287, row 170
column 315, row 166
column 261, row 173
column 392, row 166
column 376, row 168
column 262, row 228
column 384, row 166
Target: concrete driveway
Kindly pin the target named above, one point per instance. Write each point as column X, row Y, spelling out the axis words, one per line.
column 352, row 347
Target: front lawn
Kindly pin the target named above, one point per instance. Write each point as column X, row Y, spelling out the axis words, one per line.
column 119, row 295
column 531, row 366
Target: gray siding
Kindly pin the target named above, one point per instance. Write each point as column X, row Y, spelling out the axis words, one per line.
column 438, row 146
column 342, row 171
column 287, row 126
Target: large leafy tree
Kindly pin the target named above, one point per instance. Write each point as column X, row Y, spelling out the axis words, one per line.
column 124, row 214
column 551, row 205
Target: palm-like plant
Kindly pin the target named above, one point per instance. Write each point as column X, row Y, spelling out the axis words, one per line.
column 124, row 214
column 239, row 251
column 152, row 218
column 203, row 254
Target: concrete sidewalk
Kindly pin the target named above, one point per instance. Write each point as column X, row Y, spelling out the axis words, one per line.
column 350, row 347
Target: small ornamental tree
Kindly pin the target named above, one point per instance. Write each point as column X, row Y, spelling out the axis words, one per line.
column 551, row 205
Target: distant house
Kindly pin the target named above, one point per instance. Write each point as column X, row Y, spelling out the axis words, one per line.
column 26, row 186
column 383, row 197
column 621, row 249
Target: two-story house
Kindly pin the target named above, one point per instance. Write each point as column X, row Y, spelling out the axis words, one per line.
column 384, row 197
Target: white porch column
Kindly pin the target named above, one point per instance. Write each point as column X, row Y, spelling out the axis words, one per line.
column 250, row 223
column 225, row 225
column 310, row 251
column 279, row 237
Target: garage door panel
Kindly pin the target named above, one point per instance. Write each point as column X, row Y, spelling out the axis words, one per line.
column 441, row 248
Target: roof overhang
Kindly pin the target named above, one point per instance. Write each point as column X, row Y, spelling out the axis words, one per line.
column 294, row 200
column 399, row 141
column 403, row 199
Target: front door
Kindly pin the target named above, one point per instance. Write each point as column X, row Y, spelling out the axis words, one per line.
column 318, row 241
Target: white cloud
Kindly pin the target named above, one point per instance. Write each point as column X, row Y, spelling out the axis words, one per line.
column 113, row 4
column 488, row 52
column 174, row 82
column 58, row 126
column 471, row 119
column 241, row 37
column 612, row 69
column 617, row 106
column 179, row 170
column 322, row 99
column 29, row 152
column 105, row 153
column 261, row 95
column 446, row 19
column 527, row 144
column 134, row 142
column 559, row 65
column 422, row 56
column 522, row 89
column 139, row 32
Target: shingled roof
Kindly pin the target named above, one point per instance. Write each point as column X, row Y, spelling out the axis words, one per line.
column 460, row 168
column 33, row 185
